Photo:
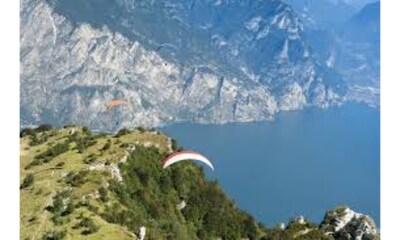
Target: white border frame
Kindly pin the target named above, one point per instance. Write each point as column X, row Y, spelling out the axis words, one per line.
column 9, row 120
column 390, row 119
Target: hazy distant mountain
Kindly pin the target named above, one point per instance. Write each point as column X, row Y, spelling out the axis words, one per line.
column 205, row 61
column 352, row 49
column 364, row 26
column 359, row 59
column 327, row 13
column 356, row 3
column 323, row 13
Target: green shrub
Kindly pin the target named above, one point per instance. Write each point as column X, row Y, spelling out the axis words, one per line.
column 174, row 144
column 278, row 234
column 76, row 179
column 51, row 153
column 142, row 175
column 32, row 219
column 122, row 132
column 82, row 142
column 37, row 140
column 89, row 160
column 107, row 145
column 44, row 128
column 103, row 194
column 60, row 164
column 86, row 131
column 59, row 209
column 165, row 183
column 88, row 225
column 28, row 181
column 141, row 129
column 33, row 133
column 26, row 132
column 55, row 235
column 124, row 145
column 69, row 209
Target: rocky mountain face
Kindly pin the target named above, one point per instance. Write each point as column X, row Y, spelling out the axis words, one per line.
column 344, row 223
column 203, row 61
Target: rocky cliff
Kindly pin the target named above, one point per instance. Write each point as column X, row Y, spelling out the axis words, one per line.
column 202, row 61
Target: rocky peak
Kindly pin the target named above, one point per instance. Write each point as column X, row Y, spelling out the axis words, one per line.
column 344, row 223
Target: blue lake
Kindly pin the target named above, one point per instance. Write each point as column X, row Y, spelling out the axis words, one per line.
column 302, row 163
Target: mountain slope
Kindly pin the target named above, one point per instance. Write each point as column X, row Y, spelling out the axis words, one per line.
column 323, row 13
column 75, row 185
column 352, row 48
column 203, row 61
column 110, row 187
column 359, row 60
column 364, row 26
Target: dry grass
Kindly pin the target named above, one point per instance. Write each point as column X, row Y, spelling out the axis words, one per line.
column 35, row 221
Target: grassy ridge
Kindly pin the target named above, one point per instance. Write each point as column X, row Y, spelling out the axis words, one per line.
column 75, row 185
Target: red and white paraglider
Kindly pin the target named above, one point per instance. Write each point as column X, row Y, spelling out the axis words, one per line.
column 186, row 155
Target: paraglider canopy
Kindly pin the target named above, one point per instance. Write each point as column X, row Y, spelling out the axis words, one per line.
column 186, row 155
column 115, row 102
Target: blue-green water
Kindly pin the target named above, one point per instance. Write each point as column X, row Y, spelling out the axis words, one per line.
column 303, row 163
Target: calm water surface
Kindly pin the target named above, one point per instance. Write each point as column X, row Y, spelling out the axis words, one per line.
column 303, row 163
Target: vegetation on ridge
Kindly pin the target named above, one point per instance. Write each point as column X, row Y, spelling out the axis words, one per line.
column 75, row 185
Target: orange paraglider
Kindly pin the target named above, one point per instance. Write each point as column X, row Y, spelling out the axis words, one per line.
column 115, row 102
